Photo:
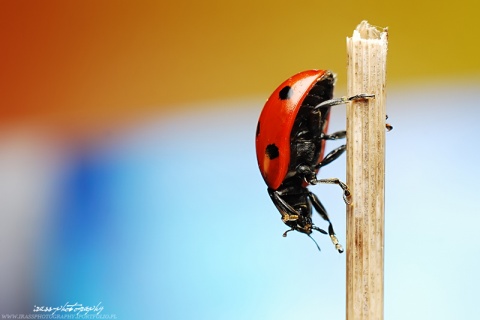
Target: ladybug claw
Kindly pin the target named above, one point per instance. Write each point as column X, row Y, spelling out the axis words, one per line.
column 347, row 197
column 362, row 96
column 344, row 100
column 387, row 125
column 338, row 246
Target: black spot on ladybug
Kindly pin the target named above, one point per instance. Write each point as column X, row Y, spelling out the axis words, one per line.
column 285, row 93
column 258, row 129
column 272, row 151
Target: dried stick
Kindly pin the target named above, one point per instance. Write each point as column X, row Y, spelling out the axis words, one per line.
column 367, row 52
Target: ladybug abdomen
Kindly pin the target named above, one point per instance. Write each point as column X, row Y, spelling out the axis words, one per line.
column 306, row 140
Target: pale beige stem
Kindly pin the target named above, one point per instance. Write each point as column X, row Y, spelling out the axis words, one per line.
column 367, row 52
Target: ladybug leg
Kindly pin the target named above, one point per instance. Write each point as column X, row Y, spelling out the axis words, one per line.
column 334, row 136
column 333, row 155
column 343, row 100
column 323, row 213
column 311, row 177
column 319, row 230
column 287, row 211
column 387, row 125
column 347, row 196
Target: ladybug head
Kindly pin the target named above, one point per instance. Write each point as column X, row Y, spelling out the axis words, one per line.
column 304, row 225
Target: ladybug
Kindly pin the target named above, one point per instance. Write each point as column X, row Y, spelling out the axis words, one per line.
column 290, row 146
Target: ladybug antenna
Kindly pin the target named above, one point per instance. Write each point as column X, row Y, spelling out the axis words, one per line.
column 318, row 247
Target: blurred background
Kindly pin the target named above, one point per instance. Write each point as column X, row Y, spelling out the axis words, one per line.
column 127, row 169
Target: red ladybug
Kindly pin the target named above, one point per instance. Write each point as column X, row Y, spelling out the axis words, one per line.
column 290, row 146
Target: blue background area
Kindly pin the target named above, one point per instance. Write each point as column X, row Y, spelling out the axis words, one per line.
column 171, row 220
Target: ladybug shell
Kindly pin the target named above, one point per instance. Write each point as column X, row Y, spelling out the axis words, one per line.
column 275, row 125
